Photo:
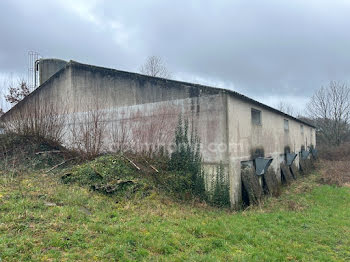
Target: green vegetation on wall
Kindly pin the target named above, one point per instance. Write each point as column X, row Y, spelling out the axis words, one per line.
column 186, row 161
column 220, row 194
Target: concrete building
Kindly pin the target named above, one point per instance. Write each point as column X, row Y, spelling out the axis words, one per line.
column 144, row 110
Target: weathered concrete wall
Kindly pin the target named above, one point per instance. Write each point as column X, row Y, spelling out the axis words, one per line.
column 56, row 94
column 110, row 88
column 144, row 125
column 245, row 136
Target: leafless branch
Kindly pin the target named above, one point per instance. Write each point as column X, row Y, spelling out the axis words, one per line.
column 88, row 130
column 329, row 107
column 285, row 108
column 17, row 93
column 154, row 66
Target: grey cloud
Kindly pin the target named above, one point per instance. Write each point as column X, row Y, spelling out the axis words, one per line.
column 262, row 48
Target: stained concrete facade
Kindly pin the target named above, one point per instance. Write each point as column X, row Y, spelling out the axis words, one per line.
column 145, row 111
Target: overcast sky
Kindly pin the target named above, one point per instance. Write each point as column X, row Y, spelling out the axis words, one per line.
column 269, row 50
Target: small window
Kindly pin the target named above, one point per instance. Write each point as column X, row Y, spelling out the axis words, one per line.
column 256, row 116
column 286, row 125
column 302, row 129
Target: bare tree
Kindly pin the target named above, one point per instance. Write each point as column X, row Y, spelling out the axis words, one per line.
column 285, row 108
column 146, row 133
column 154, row 66
column 39, row 120
column 88, row 131
column 329, row 107
column 156, row 131
column 1, row 112
column 17, row 93
column 120, row 134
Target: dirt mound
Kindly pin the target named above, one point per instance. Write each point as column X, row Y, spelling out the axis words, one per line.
column 112, row 174
column 27, row 152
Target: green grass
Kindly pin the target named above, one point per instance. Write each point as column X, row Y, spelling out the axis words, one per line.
column 42, row 219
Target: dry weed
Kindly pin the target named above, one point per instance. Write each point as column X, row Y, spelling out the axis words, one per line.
column 335, row 172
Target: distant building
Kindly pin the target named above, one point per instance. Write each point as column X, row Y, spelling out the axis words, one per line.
column 142, row 112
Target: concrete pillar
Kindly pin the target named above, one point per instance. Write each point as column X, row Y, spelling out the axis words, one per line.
column 235, row 183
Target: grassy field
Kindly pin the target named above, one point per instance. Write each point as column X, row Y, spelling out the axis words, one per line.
column 42, row 219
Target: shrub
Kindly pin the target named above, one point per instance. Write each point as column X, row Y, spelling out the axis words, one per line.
column 186, row 164
column 335, row 172
column 186, row 161
column 39, row 121
column 31, row 152
column 88, row 131
column 220, row 195
column 332, row 153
